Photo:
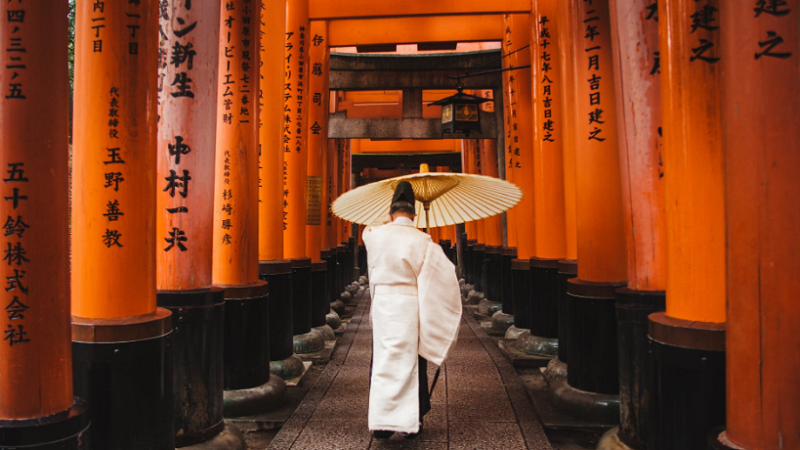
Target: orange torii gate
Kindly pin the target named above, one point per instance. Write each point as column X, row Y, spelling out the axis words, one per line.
column 761, row 132
column 636, row 54
column 118, row 333
column 36, row 385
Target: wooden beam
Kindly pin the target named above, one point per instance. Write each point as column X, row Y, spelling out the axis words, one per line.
column 413, row 30
column 409, row 160
column 342, row 128
column 343, row 9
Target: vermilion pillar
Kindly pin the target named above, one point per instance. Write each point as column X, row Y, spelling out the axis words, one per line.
column 271, row 150
column 468, row 166
column 509, row 161
column 601, row 240
column 520, row 103
column 35, row 352
column 114, row 239
column 185, row 203
column 319, row 57
column 272, row 197
column 520, row 156
column 568, row 101
column 494, row 227
column 246, row 374
column 693, row 327
column 761, row 135
column 636, row 54
column 297, row 100
column 331, row 194
column 548, row 201
column 319, row 62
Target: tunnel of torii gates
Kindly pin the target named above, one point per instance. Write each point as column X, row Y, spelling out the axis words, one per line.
column 169, row 256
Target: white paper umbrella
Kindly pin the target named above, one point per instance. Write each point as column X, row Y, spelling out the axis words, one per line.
column 441, row 199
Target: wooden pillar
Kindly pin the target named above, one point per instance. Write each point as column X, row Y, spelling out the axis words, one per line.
column 35, row 353
column 519, row 99
column 761, row 132
column 509, row 161
column 343, row 172
column 636, row 55
column 114, row 235
column 548, row 202
column 272, row 220
column 601, row 239
column 331, row 194
column 494, row 230
column 693, row 326
column 468, row 166
column 568, row 103
column 297, row 100
column 318, row 77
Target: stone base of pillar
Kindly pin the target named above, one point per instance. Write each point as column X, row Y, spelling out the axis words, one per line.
column 326, row 331
column 536, row 345
column 488, row 308
column 67, row 430
column 555, row 372
column 501, row 321
column 287, row 369
column 588, row 406
column 333, row 320
column 338, row 307
column 230, row 438
column 567, row 268
column 308, row 342
column 260, row 399
column 474, row 297
column 688, row 392
column 611, row 441
column 111, row 356
column 633, row 307
column 246, row 347
column 513, row 332
column 346, row 298
column 198, row 323
column 718, row 440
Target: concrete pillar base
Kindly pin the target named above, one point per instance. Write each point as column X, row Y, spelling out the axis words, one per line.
column 556, row 372
column 584, row 405
column 502, row 321
column 260, row 399
column 611, row 441
column 326, row 332
column 474, row 297
column 513, row 332
column 287, row 369
column 718, row 440
column 338, row 307
column 346, row 297
column 230, row 438
column 333, row 320
column 536, row 345
column 488, row 307
column 308, row 342
column 67, row 430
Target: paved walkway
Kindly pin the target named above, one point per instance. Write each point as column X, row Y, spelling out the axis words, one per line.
column 479, row 402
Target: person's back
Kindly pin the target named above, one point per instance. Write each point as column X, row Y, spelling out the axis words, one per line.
column 402, row 251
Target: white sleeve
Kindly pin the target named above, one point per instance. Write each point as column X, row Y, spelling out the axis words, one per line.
column 439, row 305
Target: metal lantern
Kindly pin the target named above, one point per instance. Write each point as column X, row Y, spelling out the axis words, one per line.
column 461, row 113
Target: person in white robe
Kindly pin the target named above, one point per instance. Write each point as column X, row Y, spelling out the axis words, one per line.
column 416, row 311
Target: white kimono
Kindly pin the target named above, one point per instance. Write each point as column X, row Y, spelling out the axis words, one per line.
column 416, row 310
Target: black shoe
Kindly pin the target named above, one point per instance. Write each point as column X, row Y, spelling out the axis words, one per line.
column 382, row 434
column 414, row 435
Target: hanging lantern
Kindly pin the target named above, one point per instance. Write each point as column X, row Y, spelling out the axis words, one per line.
column 461, row 113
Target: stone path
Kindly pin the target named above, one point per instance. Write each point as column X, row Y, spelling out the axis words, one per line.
column 479, row 402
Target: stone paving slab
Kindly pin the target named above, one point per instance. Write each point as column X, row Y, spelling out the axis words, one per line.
column 479, row 401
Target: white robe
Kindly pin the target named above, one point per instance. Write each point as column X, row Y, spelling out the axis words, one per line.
column 416, row 310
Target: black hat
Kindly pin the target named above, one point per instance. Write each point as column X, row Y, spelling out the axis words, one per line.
column 404, row 192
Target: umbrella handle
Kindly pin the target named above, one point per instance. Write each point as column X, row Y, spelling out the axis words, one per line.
column 427, row 207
